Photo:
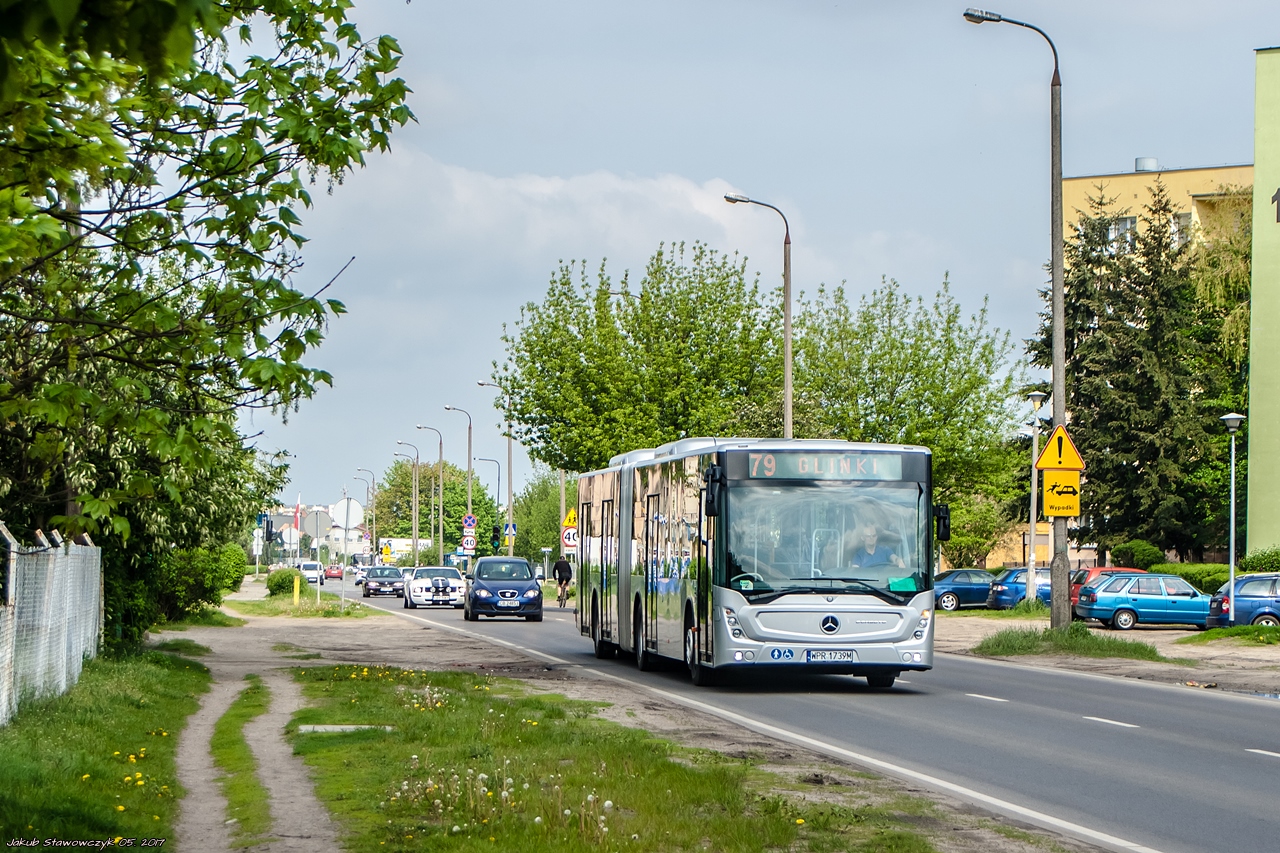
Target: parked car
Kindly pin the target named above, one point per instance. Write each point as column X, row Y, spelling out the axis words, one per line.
column 312, row 571
column 333, row 572
column 1080, row 577
column 435, row 585
column 1010, row 587
column 1123, row 600
column 503, row 586
column 384, row 580
column 963, row 588
column 1257, row 602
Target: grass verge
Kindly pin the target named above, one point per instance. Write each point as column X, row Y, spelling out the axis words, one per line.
column 289, row 650
column 1036, row 609
column 210, row 617
column 247, row 800
column 476, row 764
column 1250, row 635
column 98, row 761
column 1076, row 639
column 282, row 605
column 183, row 646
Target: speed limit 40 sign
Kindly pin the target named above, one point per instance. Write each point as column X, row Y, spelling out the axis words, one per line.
column 569, row 538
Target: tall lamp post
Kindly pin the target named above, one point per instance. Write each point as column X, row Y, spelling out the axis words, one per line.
column 739, row 198
column 414, row 457
column 499, row 465
column 469, row 465
column 1232, row 423
column 506, row 406
column 1059, row 569
column 368, row 496
column 440, row 482
column 1036, row 398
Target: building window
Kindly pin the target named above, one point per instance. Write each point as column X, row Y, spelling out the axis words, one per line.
column 1122, row 233
column 1181, row 229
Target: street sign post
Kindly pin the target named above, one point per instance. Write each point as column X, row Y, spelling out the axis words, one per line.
column 569, row 538
column 468, row 522
column 1059, row 453
column 468, row 543
column 570, row 519
column 1061, row 464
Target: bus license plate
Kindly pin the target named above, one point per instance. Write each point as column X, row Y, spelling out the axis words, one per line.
column 508, row 604
column 830, row 655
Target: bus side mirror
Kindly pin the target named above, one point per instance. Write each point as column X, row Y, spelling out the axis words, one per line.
column 942, row 513
column 714, row 475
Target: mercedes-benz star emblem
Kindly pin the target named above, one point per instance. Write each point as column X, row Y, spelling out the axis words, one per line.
column 830, row 624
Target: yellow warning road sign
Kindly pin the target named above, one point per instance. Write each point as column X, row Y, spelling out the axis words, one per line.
column 1059, row 453
column 1061, row 493
column 570, row 519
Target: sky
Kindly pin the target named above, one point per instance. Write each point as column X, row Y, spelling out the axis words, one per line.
column 900, row 140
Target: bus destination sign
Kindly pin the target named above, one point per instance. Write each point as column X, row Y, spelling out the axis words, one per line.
column 795, row 465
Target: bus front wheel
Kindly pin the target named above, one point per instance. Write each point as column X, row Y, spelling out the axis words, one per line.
column 644, row 657
column 702, row 676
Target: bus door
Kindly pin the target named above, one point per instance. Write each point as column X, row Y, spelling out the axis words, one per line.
column 702, row 582
column 651, row 570
column 608, row 568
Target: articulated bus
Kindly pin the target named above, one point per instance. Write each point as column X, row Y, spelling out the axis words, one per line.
column 762, row 555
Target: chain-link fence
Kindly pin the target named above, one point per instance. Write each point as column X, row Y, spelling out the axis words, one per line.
column 50, row 616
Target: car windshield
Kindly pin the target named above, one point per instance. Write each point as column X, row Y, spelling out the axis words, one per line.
column 504, row 570
column 384, row 573
column 851, row 538
column 436, row 573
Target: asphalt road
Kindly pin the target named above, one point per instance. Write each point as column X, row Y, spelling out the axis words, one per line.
column 1164, row 768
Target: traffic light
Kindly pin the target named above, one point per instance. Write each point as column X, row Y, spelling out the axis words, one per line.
column 270, row 531
column 496, row 539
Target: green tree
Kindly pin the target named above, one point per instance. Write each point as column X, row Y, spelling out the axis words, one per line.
column 536, row 512
column 1145, row 382
column 394, row 506
column 978, row 523
column 1221, row 267
column 595, row 370
column 895, row 369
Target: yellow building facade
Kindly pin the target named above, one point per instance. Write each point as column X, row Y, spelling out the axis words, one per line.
column 1192, row 191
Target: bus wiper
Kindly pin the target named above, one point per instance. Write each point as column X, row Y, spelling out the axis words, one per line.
column 875, row 590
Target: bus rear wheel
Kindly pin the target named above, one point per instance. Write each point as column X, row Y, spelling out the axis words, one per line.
column 702, row 676
column 603, row 650
column 881, row 680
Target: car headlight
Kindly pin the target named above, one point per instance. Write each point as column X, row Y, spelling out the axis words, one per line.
column 483, row 593
column 372, row 583
column 532, row 593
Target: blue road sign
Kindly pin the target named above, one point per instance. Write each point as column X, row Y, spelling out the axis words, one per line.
column 468, row 521
column 508, row 530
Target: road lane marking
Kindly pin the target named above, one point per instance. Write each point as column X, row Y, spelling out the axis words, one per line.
column 988, row 698
column 1113, row 722
column 1264, row 752
column 901, row 772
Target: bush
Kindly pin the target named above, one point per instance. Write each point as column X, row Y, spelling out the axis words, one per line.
column 1137, row 554
column 280, row 582
column 233, row 563
column 1266, row 560
column 1206, row 577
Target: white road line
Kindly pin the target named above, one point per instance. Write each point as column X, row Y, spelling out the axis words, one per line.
column 1041, row 818
column 1113, row 722
column 1264, row 752
column 988, row 698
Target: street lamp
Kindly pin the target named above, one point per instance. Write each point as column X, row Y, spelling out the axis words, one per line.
column 1232, row 423
column 373, row 512
column 506, row 405
column 739, row 198
column 368, row 492
column 468, row 414
column 499, row 465
column 415, row 496
column 440, row 480
column 1059, row 569
column 1036, row 398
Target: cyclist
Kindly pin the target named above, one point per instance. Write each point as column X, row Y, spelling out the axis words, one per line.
column 563, row 573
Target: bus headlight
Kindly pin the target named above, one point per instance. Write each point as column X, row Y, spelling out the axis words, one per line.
column 731, row 620
column 925, row 615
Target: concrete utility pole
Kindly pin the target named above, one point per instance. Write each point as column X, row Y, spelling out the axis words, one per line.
column 1060, row 567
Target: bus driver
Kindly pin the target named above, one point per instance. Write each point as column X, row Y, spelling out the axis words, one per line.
column 873, row 554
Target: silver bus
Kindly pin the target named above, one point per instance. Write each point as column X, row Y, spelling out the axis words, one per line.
column 759, row 554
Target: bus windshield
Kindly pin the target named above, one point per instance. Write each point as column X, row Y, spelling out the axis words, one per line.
column 839, row 537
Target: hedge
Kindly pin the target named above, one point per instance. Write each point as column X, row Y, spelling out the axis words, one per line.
column 280, row 582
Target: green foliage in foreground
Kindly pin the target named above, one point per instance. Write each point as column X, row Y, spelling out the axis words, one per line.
column 182, row 646
column 206, row 617
column 247, row 800
column 282, row 605
column 280, row 582
column 66, row 759
column 1263, row 560
column 475, row 769
column 1075, row 639
column 1137, row 554
column 1251, row 635
column 1206, row 577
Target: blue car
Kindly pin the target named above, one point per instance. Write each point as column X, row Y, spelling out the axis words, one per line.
column 502, row 586
column 963, row 588
column 1257, row 602
column 1122, row 601
column 1010, row 587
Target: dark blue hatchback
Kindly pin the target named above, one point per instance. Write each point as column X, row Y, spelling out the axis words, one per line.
column 1010, row 587
column 1257, row 602
column 963, row 588
column 502, row 586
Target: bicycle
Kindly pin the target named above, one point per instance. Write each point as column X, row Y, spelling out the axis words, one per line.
column 562, row 593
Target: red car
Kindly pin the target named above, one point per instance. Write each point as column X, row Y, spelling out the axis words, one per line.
column 333, row 572
column 1080, row 577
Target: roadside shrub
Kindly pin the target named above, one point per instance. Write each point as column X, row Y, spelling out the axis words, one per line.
column 233, row 562
column 1206, row 577
column 1137, row 554
column 281, row 582
column 1265, row 560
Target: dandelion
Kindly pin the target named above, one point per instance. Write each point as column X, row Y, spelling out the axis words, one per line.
column 84, row 777
column 457, row 828
column 635, row 836
column 567, row 812
column 117, row 752
column 140, row 782
column 799, row 821
column 538, row 820
column 119, row 808
column 155, row 817
column 608, row 804
column 591, row 798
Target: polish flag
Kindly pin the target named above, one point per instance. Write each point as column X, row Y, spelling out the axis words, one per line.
column 297, row 514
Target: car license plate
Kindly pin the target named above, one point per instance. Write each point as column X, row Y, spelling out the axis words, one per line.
column 508, row 604
column 440, row 598
column 830, row 655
